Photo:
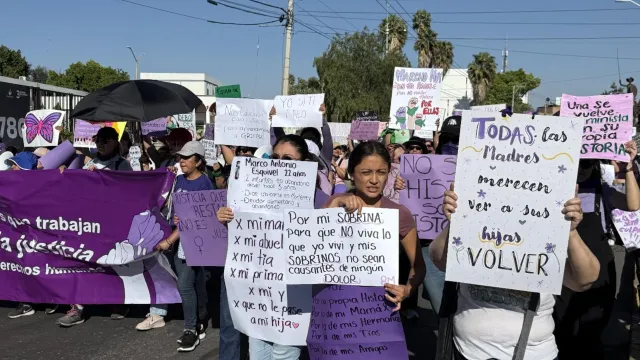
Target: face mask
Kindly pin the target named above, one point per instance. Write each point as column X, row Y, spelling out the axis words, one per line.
column 449, row 149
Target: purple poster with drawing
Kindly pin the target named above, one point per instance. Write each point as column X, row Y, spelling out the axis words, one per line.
column 364, row 130
column 155, row 128
column 203, row 237
column 82, row 237
column 426, row 178
column 355, row 323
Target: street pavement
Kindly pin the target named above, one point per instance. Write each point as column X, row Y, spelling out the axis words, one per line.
column 37, row 337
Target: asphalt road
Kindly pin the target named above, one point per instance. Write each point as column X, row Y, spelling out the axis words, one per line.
column 37, row 337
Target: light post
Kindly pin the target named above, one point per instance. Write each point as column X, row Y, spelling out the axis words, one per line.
column 137, row 59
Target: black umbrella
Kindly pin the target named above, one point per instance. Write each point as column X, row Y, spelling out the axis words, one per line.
column 136, row 100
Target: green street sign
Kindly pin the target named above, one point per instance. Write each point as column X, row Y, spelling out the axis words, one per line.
column 229, row 91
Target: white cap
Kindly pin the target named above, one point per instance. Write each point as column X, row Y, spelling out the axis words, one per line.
column 3, row 160
column 192, row 148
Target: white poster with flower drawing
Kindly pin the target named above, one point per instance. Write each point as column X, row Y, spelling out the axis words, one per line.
column 415, row 100
column 509, row 231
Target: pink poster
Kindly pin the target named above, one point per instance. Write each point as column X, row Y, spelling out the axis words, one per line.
column 608, row 123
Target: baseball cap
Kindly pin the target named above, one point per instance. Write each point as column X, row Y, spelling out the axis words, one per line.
column 192, row 148
column 24, row 160
column 179, row 135
column 451, row 126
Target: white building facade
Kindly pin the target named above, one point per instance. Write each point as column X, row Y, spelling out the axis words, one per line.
column 200, row 84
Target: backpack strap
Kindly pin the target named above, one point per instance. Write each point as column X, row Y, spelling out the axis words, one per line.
column 521, row 346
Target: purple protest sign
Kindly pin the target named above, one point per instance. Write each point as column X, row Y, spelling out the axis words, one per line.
column 355, row 323
column 209, row 131
column 83, row 133
column 389, row 190
column 608, row 123
column 426, row 178
column 628, row 226
column 155, row 128
column 54, row 250
column 364, row 130
column 203, row 237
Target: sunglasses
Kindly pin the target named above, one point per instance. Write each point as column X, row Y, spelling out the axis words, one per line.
column 284, row 157
column 183, row 157
column 414, row 147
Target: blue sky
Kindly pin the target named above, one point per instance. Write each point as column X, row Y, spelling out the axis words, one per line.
column 58, row 33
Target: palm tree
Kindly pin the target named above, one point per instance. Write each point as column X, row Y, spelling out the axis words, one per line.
column 397, row 32
column 426, row 41
column 482, row 71
column 443, row 56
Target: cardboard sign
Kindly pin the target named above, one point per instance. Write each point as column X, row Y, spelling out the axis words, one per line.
column 509, row 231
column 330, row 246
column 426, row 178
column 228, row 91
column 262, row 305
column 267, row 186
column 415, row 99
column 608, row 124
column 298, row 111
column 243, row 122
column 367, row 116
column 364, row 130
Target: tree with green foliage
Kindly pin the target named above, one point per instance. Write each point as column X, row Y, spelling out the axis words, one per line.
column 511, row 85
column 88, row 76
column 482, row 70
column 356, row 74
column 614, row 89
column 40, row 74
column 12, row 63
column 397, row 32
column 304, row 86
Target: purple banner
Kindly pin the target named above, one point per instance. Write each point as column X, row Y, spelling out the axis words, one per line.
column 155, row 128
column 426, row 178
column 364, row 130
column 203, row 237
column 355, row 323
column 82, row 237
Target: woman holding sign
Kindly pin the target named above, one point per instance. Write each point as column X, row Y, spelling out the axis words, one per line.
column 293, row 148
column 369, row 166
column 486, row 327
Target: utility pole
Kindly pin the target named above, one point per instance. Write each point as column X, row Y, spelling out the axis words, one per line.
column 287, row 49
column 505, row 55
column 386, row 41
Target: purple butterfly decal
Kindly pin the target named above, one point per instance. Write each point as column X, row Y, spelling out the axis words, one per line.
column 42, row 127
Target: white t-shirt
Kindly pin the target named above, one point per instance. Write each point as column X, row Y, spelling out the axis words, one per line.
column 489, row 321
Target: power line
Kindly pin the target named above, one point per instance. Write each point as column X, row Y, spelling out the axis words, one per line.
column 549, row 54
column 333, row 11
column 490, row 11
column 222, row 3
column 195, row 17
column 312, row 29
column 322, row 22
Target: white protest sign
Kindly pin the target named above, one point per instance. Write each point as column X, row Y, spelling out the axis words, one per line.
column 210, row 151
column 262, row 305
column 134, row 157
column 298, row 111
column 263, row 185
column 415, row 99
column 42, row 128
column 628, row 226
column 329, row 246
column 242, row 122
column 489, row 108
column 186, row 121
column 509, row 231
